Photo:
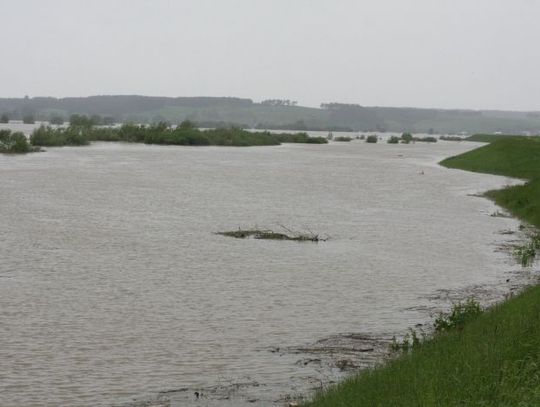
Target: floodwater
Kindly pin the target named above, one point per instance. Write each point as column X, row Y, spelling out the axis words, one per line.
column 115, row 289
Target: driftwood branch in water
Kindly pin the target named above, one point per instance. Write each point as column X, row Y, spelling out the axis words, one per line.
column 271, row 235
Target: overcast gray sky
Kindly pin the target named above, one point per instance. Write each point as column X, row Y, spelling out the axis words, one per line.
column 423, row 53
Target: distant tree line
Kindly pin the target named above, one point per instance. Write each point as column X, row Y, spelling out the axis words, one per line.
column 340, row 106
column 301, row 125
column 143, row 109
column 279, row 102
column 79, row 120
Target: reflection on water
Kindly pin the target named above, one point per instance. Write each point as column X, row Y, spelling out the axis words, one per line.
column 113, row 285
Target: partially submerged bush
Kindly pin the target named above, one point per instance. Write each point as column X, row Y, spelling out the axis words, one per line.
column 525, row 254
column 56, row 120
column 372, row 139
column 28, row 119
column 393, row 140
column 13, row 143
column 451, row 138
column 47, row 136
column 343, row 138
column 461, row 313
column 406, row 138
column 295, row 138
column 428, row 139
column 162, row 133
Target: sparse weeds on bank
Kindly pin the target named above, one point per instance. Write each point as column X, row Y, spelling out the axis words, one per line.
column 525, row 254
column 460, row 314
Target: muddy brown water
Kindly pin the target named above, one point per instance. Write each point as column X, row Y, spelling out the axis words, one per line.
column 116, row 291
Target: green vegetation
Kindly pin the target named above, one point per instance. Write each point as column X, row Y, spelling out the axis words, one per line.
column 343, row 138
column 393, row 140
column 4, row 118
column 488, row 138
column 294, row 138
column 525, row 254
column 428, row 139
column 49, row 137
column 491, row 359
column 372, row 139
column 78, row 120
column 56, row 120
column 476, row 358
column 28, row 119
column 82, row 132
column 406, row 138
column 461, row 314
column 451, row 138
column 14, row 143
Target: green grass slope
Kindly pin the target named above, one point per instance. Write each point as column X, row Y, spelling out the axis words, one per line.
column 517, row 157
column 488, row 138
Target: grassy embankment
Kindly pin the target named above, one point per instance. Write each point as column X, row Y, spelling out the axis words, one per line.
column 488, row 138
column 185, row 134
column 494, row 360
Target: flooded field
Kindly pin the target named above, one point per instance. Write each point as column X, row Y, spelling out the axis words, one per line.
column 115, row 289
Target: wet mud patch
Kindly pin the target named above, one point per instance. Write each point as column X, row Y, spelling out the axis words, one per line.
column 344, row 352
column 242, row 393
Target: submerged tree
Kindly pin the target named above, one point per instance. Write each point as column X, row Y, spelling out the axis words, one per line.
column 58, row 120
column 372, row 139
column 28, row 119
column 406, row 137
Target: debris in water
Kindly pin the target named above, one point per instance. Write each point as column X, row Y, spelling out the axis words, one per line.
column 271, row 235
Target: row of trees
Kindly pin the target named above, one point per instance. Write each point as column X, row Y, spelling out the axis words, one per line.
column 279, row 102
column 162, row 133
column 27, row 118
column 74, row 119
